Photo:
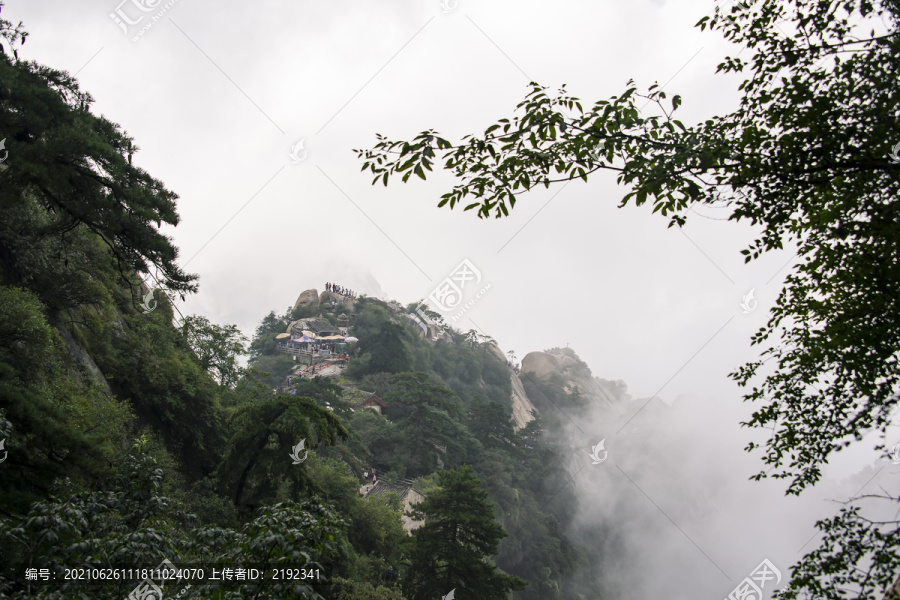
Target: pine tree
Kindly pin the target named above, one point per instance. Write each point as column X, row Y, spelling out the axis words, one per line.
column 427, row 414
column 386, row 351
column 77, row 167
column 258, row 460
column 452, row 550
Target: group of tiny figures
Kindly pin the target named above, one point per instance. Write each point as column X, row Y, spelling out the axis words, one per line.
column 336, row 289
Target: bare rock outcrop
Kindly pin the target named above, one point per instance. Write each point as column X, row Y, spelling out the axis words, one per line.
column 83, row 358
column 541, row 364
column 307, row 298
column 521, row 404
column 576, row 374
column 344, row 304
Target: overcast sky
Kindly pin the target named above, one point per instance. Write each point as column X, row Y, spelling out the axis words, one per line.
column 217, row 94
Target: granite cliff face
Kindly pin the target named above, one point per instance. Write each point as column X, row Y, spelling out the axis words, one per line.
column 609, row 396
column 521, row 404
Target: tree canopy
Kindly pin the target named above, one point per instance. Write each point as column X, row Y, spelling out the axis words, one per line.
column 78, row 167
column 216, row 347
column 451, row 550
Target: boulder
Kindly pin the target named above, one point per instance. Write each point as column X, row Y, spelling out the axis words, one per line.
column 541, row 363
column 544, row 363
column 307, row 298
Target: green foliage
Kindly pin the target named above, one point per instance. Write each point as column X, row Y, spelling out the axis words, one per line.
column 272, row 369
column 93, row 528
column 833, row 567
column 63, row 270
column 519, row 471
column 61, row 423
column 491, row 424
column 370, row 316
column 333, row 483
column 263, row 343
column 216, row 347
column 42, row 446
column 257, row 460
column 471, row 370
column 377, row 528
column 428, row 483
column 385, row 350
column 284, row 535
column 451, row 549
column 374, row 535
column 428, row 416
column 378, row 383
column 149, row 362
column 133, row 524
column 251, row 388
column 210, row 507
column 321, row 389
column 346, row 589
column 13, row 34
column 28, row 341
column 77, row 167
column 381, row 439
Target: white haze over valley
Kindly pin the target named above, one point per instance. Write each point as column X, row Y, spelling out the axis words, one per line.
column 217, row 94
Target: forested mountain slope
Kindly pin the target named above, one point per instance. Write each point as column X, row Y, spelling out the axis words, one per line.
column 132, row 435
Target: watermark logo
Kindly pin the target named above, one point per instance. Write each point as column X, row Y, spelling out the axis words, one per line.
column 298, row 153
column 5, row 151
column 295, row 452
column 449, row 596
column 148, row 299
column 895, row 154
column 122, row 19
column 149, row 589
column 895, row 454
column 752, row 587
column 748, row 302
column 595, row 453
column 448, row 5
column 447, row 295
column 3, row 447
column 598, row 151
column 139, row 10
column 422, row 319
